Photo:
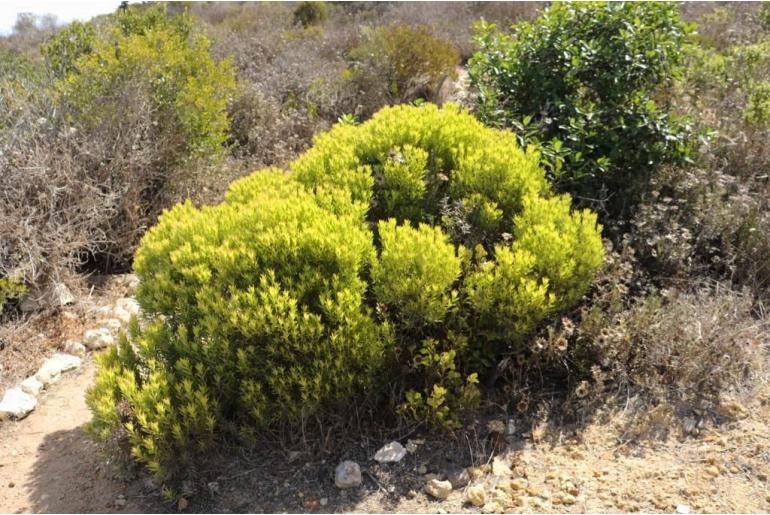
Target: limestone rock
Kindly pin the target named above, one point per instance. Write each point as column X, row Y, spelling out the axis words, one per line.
column 113, row 324
column 347, row 475
column 53, row 367
column 390, row 453
column 476, row 496
column 500, row 468
column 31, row 386
column 74, row 348
column 98, row 338
column 16, row 404
column 129, row 304
column 438, row 489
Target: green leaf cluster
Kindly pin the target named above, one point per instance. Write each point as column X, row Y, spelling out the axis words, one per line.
column 587, row 81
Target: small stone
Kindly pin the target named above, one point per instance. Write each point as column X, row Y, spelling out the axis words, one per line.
column 120, row 502
column 113, row 324
column 75, row 348
column 568, row 499
column 16, row 404
column 98, row 338
column 390, row 453
column 412, row 445
column 682, row 509
column 324, row 501
column 347, row 475
column 53, row 367
column 713, row 471
column 500, row 468
column 518, row 484
column 476, row 496
column 411, row 494
column 311, row 503
column 422, row 469
column 438, row 489
column 63, row 294
column 459, row 478
column 11, row 484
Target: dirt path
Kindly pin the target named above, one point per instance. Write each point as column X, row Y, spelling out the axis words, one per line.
column 49, row 464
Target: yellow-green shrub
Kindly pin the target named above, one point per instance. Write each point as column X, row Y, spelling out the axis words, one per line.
column 150, row 51
column 255, row 314
column 303, row 286
column 442, row 168
column 415, row 272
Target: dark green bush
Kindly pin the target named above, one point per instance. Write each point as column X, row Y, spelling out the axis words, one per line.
column 294, row 292
column 587, row 82
column 310, row 13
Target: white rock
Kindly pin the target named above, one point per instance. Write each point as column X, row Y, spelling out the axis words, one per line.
column 113, row 324
column 682, row 509
column 74, row 348
column 31, row 386
column 438, row 489
column 129, row 304
column 98, row 338
column 62, row 294
column 16, row 404
column 53, row 367
column 103, row 311
column 347, row 475
column 390, row 453
column 500, row 468
column 121, row 314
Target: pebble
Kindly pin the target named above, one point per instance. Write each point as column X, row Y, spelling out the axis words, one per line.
column 347, row 475
column 438, row 489
column 390, row 453
column 324, row 501
column 476, row 496
column 713, row 471
column 459, row 478
column 422, row 469
column 16, row 404
column 682, row 509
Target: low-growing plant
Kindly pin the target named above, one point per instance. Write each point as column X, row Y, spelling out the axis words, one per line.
column 590, row 78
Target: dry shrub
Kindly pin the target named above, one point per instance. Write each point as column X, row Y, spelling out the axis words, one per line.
column 704, row 222
column 453, row 21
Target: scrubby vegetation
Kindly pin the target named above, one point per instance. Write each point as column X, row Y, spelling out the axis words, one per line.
column 591, row 228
